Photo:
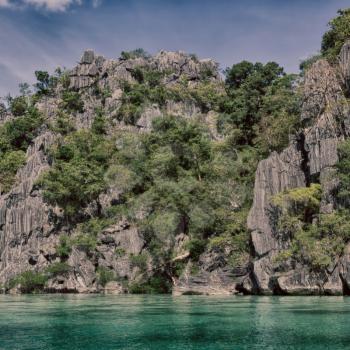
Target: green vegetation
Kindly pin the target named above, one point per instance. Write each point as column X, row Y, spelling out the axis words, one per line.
column 35, row 282
column 18, row 105
column 343, row 167
column 120, row 252
column 176, row 173
column 196, row 247
column 137, row 53
column 77, row 176
column 9, row 164
column 15, row 137
column 44, row 83
column 182, row 180
column 335, row 37
column 64, row 248
column 261, row 101
column 155, row 285
column 18, row 133
column 63, row 124
column 29, row 282
column 316, row 238
column 146, row 90
column 72, row 102
column 139, row 261
column 105, row 275
column 303, row 202
column 85, row 242
column 57, row 269
column 85, row 237
column 176, row 178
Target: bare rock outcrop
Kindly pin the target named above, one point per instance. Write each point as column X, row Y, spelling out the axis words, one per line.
column 26, row 221
column 87, row 71
column 309, row 158
column 212, row 276
column 344, row 59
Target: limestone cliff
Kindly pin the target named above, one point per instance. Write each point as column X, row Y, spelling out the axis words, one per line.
column 30, row 229
column 310, row 157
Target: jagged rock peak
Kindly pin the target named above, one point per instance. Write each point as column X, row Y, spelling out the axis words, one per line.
column 180, row 60
column 92, row 66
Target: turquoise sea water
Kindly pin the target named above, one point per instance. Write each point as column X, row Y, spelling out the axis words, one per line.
column 165, row 322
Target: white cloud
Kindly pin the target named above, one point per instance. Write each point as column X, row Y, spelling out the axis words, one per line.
column 52, row 5
column 5, row 3
column 48, row 5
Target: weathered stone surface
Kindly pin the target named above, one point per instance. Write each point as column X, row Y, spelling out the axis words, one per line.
column 30, row 229
column 344, row 63
column 277, row 173
column 113, row 288
column 301, row 282
column 333, row 284
column 125, row 236
column 321, row 89
column 344, row 269
column 88, row 57
column 184, row 109
column 116, row 245
column 329, row 183
column 214, row 276
column 181, row 63
column 310, row 158
column 218, row 282
column 147, row 116
column 25, row 224
column 84, row 75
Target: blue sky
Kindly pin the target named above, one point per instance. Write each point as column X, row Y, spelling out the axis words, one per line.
column 44, row 34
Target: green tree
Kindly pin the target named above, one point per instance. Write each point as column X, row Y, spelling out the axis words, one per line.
column 18, row 106
column 10, row 162
column 19, row 132
column 72, row 102
column 279, row 115
column 335, row 37
column 247, row 84
column 77, row 176
column 43, row 82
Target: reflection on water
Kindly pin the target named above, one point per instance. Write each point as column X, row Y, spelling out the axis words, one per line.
column 164, row 322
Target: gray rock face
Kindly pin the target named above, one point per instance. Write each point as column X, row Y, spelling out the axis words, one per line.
column 29, row 234
column 344, row 63
column 216, row 283
column 214, row 277
column 80, row 278
column 147, row 116
column 116, row 245
column 95, row 74
column 310, row 158
column 275, row 174
column 113, row 288
column 89, row 68
column 25, row 225
column 181, row 63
